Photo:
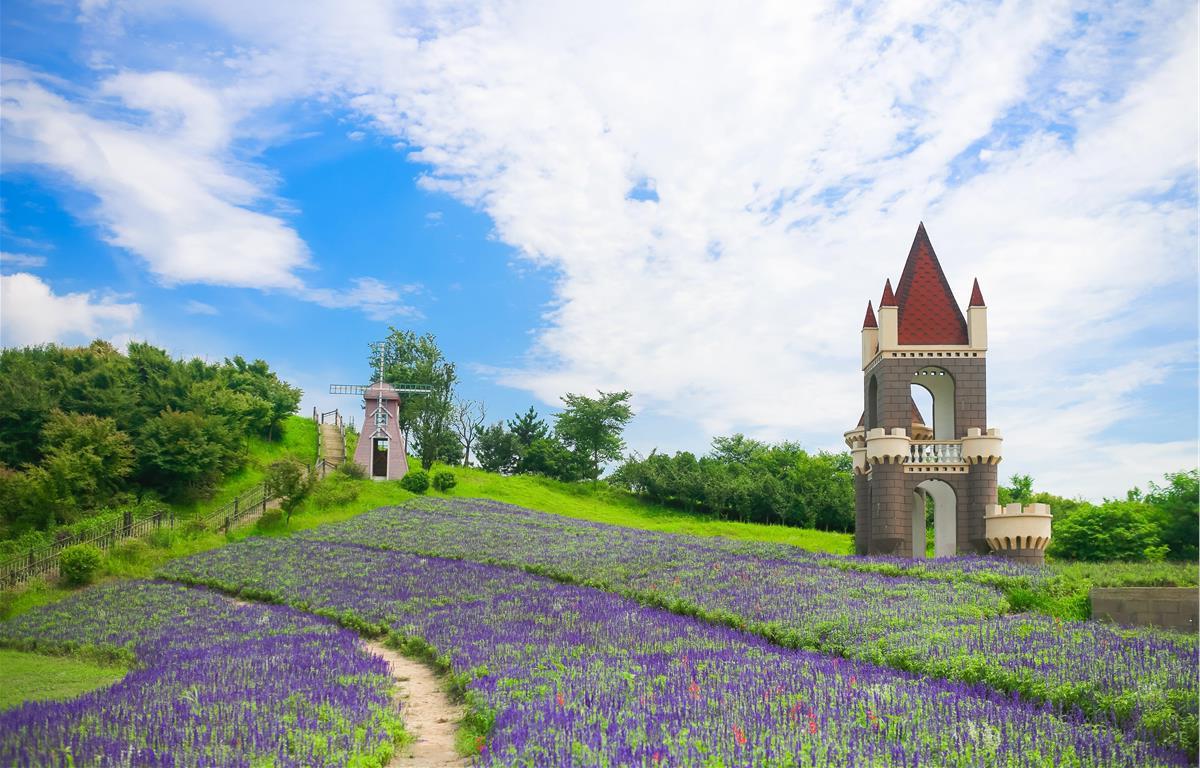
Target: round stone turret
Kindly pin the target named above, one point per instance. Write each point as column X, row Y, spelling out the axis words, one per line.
column 1018, row 532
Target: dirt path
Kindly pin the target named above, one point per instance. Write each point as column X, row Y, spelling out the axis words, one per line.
column 429, row 715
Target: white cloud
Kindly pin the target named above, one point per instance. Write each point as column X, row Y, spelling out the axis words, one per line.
column 167, row 186
column 165, row 191
column 793, row 150
column 31, row 313
column 26, row 260
column 378, row 300
column 193, row 307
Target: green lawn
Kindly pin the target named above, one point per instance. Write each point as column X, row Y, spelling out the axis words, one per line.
column 34, row 677
column 605, row 504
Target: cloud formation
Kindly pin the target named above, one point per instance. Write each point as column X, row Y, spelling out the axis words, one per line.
column 166, row 183
column 1050, row 149
column 31, row 313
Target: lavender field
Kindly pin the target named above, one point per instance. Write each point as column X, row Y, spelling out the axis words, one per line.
column 214, row 683
column 567, row 675
column 945, row 622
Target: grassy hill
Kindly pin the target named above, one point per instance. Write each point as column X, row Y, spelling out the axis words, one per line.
column 298, row 439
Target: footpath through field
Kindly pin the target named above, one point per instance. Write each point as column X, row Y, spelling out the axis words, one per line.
column 429, row 715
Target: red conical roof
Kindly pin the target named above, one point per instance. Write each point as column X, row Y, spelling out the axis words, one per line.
column 889, row 298
column 976, row 296
column 928, row 313
column 869, row 320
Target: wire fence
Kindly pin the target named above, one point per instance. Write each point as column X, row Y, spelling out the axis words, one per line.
column 43, row 560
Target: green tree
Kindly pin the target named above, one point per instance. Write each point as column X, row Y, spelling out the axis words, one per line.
column 1114, row 530
column 592, row 427
column 528, row 427
column 184, row 453
column 496, row 449
column 1176, row 510
column 1020, row 489
column 417, row 360
column 548, row 456
column 87, row 459
column 289, row 481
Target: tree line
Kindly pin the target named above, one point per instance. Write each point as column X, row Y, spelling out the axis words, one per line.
column 749, row 481
column 88, row 428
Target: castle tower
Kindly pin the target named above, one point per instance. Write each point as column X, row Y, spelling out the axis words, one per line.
column 920, row 339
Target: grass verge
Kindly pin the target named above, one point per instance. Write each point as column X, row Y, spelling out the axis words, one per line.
column 26, row 676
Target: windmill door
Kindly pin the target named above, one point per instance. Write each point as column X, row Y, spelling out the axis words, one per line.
column 379, row 458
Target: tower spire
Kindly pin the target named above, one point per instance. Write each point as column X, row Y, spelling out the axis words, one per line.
column 929, row 313
column 869, row 321
column 889, row 298
column 976, row 296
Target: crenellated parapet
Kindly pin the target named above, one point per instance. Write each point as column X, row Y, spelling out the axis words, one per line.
column 888, row 446
column 1018, row 531
column 980, row 447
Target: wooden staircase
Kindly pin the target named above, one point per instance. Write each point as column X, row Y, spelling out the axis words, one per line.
column 331, row 440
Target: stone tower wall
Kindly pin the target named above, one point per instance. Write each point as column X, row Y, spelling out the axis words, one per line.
column 884, row 499
column 894, row 376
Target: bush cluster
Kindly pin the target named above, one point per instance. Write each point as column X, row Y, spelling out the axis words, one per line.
column 77, row 565
column 416, row 481
column 443, row 480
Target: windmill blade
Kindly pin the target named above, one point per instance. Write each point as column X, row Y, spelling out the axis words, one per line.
column 359, row 389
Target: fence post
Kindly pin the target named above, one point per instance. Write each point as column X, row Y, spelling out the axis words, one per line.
column 264, row 497
column 128, row 521
column 235, row 507
column 226, row 525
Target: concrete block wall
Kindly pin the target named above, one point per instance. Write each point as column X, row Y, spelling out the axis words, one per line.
column 1167, row 607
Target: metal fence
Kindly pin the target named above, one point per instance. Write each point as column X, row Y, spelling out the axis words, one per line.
column 43, row 561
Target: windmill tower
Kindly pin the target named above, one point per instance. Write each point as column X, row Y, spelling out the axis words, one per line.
column 922, row 342
column 382, row 451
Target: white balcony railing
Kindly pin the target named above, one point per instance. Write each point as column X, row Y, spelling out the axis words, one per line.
column 935, row 452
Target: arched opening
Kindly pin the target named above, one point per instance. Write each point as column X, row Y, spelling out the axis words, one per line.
column 939, row 385
column 872, row 403
column 940, row 496
column 922, row 408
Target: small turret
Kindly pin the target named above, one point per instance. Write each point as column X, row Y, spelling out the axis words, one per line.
column 889, row 319
column 977, row 319
column 870, row 336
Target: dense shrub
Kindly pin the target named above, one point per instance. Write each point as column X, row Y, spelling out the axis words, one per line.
column 352, row 470
column 1115, row 530
column 751, row 481
column 334, row 492
column 416, row 481
column 78, row 564
column 193, row 528
column 163, row 538
column 443, row 480
column 269, row 520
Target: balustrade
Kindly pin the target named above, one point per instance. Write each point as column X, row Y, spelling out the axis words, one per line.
column 935, row 452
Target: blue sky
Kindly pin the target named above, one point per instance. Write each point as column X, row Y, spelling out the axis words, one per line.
column 694, row 206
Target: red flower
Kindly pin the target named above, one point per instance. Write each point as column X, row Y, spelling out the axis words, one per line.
column 812, row 726
column 561, row 700
column 738, row 736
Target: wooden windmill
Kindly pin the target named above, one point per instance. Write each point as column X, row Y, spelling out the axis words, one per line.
column 381, row 449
